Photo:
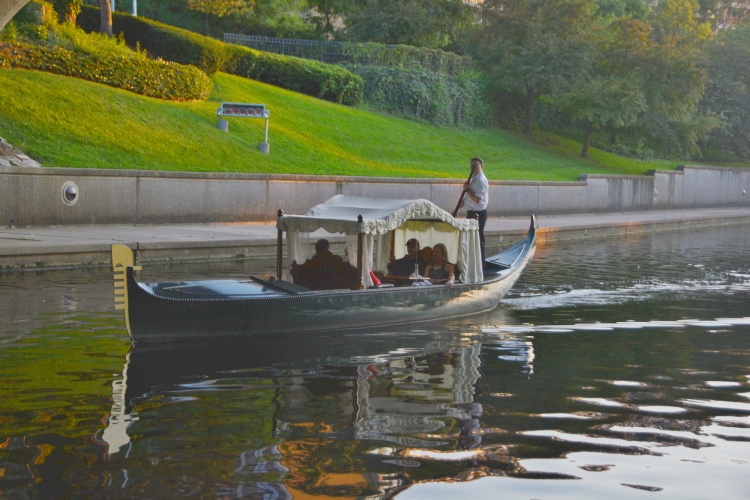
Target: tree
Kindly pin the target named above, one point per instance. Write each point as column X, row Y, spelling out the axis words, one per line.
column 727, row 94
column 673, row 80
column 607, row 92
column 106, row 11
column 68, row 9
column 533, row 47
column 219, row 8
column 423, row 23
column 631, row 9
column 722, row 14
column 273, row 17
column 325, row 13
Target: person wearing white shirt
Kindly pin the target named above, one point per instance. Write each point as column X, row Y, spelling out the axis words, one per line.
column 477, row 197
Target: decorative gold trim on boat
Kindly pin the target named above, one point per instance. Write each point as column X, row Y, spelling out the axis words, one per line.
column 122, row 259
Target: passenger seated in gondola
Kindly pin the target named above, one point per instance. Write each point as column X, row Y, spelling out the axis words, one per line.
column 426, row 254
column 440, row 271
column 405, row 265
column 325, row 271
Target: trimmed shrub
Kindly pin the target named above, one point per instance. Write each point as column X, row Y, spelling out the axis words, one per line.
column 436, row 98
column 325, row 81
column 160, row 79
column 321, row 80
column 161, row 40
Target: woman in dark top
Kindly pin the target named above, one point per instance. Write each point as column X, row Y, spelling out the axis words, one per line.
column 440, row 269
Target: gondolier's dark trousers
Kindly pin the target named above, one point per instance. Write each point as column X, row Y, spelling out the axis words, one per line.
column 480, row 215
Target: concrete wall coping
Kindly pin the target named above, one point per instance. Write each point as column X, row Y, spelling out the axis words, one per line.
column 164, row 174
column 701, row 167
column 584, row 177
column 665, row 172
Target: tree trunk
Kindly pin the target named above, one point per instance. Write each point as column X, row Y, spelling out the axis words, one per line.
column 205, row 22
column 529, row 111
column 612, row 133
column 588, row 131
column 106, row 25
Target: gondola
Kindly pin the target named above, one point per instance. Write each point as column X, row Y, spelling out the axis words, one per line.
column 375, row 230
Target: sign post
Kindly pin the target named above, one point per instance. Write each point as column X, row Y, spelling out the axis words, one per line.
column 244, row 111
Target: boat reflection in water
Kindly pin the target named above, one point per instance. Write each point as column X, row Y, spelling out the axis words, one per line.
column 280, row 418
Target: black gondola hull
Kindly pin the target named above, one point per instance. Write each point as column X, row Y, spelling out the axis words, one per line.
column 166, row 312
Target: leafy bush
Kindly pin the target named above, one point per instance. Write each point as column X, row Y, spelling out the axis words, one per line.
column 329, row 82
column 9, row 33
column 31, row 22
column 406, row 56
column 174, row 44
column 436, row 98
column 160, row 79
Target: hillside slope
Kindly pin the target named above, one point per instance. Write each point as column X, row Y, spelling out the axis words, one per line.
column 61, row 121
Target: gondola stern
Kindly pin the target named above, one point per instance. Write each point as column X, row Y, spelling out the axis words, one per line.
column 123, row 265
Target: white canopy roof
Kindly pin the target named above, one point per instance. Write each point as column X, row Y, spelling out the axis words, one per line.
column 380, row 216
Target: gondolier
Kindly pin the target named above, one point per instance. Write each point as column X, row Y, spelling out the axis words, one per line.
column 477, row 191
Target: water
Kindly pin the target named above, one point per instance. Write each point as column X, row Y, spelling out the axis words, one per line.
column 616, row 368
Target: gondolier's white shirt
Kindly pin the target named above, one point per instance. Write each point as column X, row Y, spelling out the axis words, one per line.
column 480, row 186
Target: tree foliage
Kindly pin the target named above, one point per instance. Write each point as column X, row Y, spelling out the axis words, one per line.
column 727, row 94
column 673, row 80
column 604, row 65
column 274, row 18
column 608, row 91
column 424, row 23
column 532, row 47
column 67, row 9
column 630, row 9
column 326, row 14
column 220, row 7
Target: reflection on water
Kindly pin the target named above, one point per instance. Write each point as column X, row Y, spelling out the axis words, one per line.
column 617, row 367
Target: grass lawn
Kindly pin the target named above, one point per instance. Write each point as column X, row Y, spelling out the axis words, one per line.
column 65, row 122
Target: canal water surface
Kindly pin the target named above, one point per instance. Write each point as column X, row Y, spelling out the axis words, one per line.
column 616, row 368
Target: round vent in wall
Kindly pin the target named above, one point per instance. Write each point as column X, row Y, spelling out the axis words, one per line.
column 70, row 193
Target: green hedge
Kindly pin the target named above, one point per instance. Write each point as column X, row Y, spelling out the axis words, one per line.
column 325, row 81
column 329, row 82
column 160, row 79
column 437, row 98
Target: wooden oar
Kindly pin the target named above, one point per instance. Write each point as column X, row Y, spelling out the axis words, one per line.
column 463, row 193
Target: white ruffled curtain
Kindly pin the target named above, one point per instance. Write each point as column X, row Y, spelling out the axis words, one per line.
column 470, row 257
column 367, row 247
column 298, row 248
column 382, row 251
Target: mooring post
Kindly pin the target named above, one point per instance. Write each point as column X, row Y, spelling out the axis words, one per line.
column 279, row 243
column 360, row 252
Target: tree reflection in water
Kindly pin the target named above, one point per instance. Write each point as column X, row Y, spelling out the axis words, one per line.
column 622, row 363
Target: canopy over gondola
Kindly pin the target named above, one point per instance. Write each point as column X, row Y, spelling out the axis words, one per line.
column 379, row 216
column 382, row 224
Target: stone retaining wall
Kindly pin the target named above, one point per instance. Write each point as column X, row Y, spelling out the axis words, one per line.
column 68, row 196
column 13, row 157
